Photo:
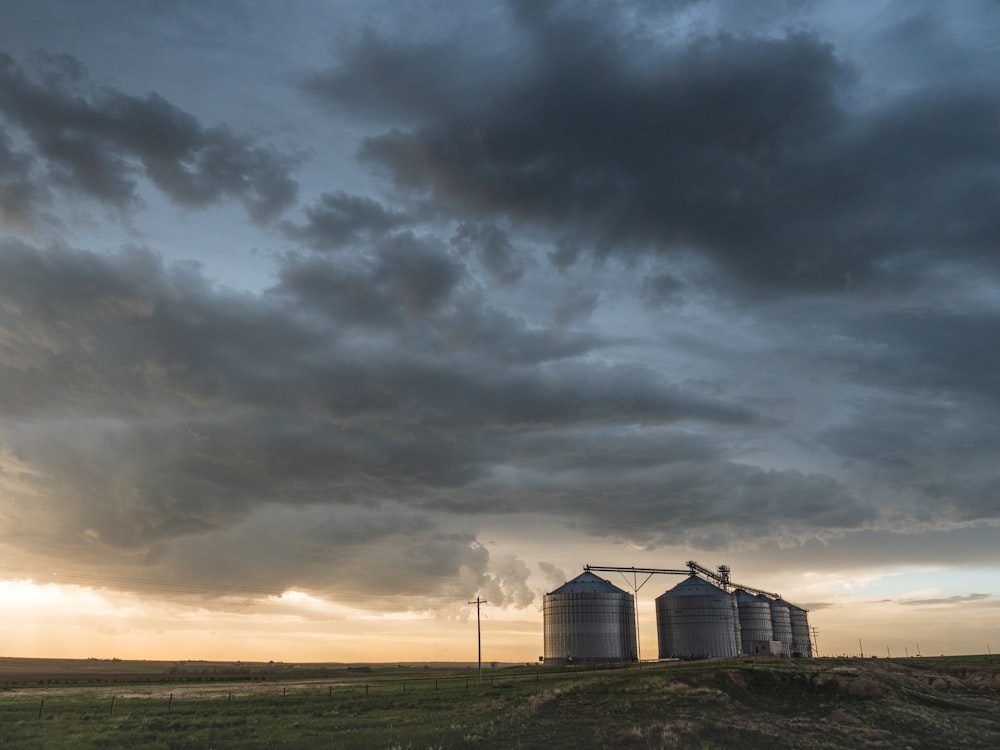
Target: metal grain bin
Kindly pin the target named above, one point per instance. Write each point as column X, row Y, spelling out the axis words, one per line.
column 781, row 624
column 696, row 620
column 589, row 619
column 755, row 621
column 801, row 643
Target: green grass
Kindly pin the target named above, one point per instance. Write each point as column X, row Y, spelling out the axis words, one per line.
column 784, row 704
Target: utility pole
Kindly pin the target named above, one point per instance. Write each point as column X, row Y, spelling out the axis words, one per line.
column 479, row 637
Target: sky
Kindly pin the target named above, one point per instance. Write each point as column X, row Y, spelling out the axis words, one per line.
column 319, row 320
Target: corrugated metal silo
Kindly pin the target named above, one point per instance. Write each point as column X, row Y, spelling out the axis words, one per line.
column 781, row 624
column 801, row 644
column 589, row 619
column 736, row 620
column 755, row 620
column 696, row 620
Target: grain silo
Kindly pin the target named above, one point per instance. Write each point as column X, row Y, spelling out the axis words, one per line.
column 781, row 624
column 696, row 620
column 801, row 644
column 756, row 633
column 589, row 619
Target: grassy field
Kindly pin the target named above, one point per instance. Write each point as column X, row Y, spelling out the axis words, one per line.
column 948, row 702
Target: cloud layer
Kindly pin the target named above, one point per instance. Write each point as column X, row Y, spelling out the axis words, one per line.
column 665, row 278
column 98, row 142
column 754, row 150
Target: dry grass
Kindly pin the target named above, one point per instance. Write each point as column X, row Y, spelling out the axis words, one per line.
column 920, row 704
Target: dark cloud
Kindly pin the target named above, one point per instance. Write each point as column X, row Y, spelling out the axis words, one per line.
column 20, row 196
column 683, row 494
column 941, row 352
column 374, row 291
column 576, row 305
column 565, row 254
column 121, row 332
column 170, row 409
column 750, row 150
column 145, row 406
column 918, row 427
column 404, row 276
column 494, row 250
column 391, row 78
column 924, row 43
column 384, row 556
column 98, row 141
column 927, row 457
column 661, row 289
column 969, row 546
column 340, row 219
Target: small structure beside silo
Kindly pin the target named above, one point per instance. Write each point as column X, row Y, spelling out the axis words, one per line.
column 589, row 619
column 755, row 623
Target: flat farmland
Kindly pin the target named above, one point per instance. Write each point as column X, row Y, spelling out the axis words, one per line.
column 15, row 670
column 947, row 702
column 25, row 672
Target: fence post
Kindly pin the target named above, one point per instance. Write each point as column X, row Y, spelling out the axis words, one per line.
column 170, row 702
column 404, row 687
column 112, row 704
column 40, row 706
column 331, row 691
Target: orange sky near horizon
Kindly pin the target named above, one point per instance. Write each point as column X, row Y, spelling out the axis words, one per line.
column 71, row 621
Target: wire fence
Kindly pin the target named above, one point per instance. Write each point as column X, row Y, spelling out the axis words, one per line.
column 41, row 702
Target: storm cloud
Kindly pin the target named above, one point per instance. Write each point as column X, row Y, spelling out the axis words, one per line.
column 706, row 277
column 758, row 150
column 168, row 408
column 97, row 141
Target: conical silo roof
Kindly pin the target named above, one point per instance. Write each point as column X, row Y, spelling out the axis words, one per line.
column 695, row 586
column 588, row 583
